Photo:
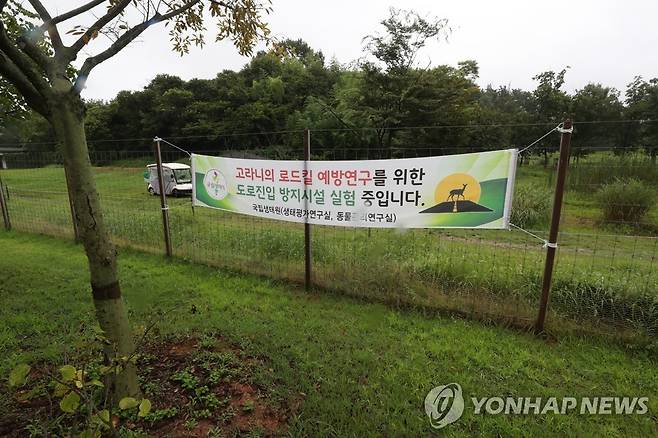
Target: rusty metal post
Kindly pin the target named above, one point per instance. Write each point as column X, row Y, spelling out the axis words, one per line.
column 4, row 207
column 76, row 233
column 307, row 227
column 163, row 198
column 565, row 143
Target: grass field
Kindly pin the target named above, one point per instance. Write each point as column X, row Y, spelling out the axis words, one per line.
column 364, row 369
column 603, row 277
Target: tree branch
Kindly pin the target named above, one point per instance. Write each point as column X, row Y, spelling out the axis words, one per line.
column 52, row 29
column 185, row 7
column 14, row 75
column 123, row 41
column 112, row 13
column 73, row 12
column 119, row 44
column 33, row 51
column 23, row 63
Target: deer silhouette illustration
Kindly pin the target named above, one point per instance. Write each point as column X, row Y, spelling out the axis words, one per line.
column 457, row 193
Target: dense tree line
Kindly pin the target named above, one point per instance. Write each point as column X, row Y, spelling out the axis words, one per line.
column 361, row 109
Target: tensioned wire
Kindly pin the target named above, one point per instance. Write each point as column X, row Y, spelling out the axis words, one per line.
column 556, row 128
column 397, row 128
column 540, row 139
column 173, row 145
column 544, row 241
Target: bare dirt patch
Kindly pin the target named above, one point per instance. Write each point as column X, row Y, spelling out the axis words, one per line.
column 197, row 387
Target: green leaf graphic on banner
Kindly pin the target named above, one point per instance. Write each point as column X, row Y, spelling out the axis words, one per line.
column 203, row 196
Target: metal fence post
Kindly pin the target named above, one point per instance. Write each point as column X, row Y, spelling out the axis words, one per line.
column 565, row 143
column 307, row 226
column 4, row 207
column 163, row 198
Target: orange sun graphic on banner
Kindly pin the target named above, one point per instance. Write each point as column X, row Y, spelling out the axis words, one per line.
column 457, row 187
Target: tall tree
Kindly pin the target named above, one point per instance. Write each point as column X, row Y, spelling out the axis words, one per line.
column 551, row 103
column 642, row 104
column 596, row 102
column 390, row 80
column 504, row 106
column 43, row 78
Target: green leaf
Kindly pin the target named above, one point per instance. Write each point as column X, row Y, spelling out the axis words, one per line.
column 60, row 389
column 128, row 403
column 103, row 418
column 144, row 408
column 68, row 372
column 70, row 403
column 97, row 382
column 90, row 433
column 18, row 375
column 104, row 415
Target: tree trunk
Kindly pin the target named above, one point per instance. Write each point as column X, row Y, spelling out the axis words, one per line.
column 68, row 122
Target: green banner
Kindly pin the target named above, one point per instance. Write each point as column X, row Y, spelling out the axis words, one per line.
column 452, row 191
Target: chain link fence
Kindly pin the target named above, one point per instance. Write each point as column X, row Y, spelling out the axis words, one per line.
column 606, row 275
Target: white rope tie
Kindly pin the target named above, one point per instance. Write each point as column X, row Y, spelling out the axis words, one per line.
column 557, row 128
column 546, row 243
column 172, row 145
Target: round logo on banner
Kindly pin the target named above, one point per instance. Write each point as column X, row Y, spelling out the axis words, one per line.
column 215, row 184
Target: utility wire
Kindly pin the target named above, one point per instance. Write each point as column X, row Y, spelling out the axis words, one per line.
column 238, row 134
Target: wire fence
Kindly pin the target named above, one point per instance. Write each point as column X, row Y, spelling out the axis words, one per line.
column 606, row 275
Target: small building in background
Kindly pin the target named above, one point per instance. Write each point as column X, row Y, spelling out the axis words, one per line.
column 7, row 150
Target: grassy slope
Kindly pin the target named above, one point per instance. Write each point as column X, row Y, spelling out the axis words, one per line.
column 365, row 368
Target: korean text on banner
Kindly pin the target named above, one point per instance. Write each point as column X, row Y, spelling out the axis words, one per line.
column 453, row 191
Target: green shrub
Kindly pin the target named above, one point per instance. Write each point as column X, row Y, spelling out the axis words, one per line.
column 531, row 206
column 625, row 200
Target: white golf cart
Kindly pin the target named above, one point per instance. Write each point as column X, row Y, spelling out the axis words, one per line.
column 177, row 179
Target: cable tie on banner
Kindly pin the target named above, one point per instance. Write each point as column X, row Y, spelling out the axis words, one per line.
column 548, row 244
column 166, row 207
column 563, row 130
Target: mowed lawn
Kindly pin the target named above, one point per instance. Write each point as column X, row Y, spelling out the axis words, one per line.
column 363, row 369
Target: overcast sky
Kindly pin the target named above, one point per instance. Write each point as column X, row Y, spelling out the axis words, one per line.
column 604, row 41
